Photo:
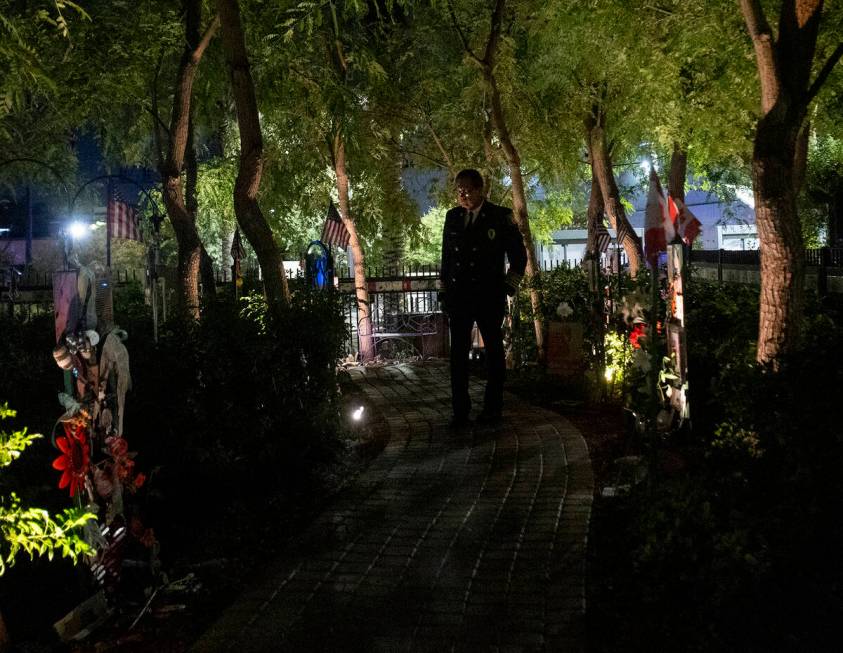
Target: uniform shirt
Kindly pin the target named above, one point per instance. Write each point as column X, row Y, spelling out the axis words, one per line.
column 473, row 255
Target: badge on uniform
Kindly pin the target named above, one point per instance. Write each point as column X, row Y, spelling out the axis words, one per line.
column 491, row 234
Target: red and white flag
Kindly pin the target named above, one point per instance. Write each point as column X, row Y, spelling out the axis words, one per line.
column 658, row 227
column 122, row 220
column 685, row 222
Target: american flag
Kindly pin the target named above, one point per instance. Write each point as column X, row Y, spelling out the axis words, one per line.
column 622, row 231
column 603, row 238
column 334, row 231
column 122, row 220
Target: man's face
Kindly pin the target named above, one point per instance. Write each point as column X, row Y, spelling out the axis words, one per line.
column 468, row 195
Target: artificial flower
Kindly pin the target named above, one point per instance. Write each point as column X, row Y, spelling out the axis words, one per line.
column 564, row 310
column 117, row 446
column 75, row 459
column 638, row 331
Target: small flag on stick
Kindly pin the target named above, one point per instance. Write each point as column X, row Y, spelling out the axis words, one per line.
column 658, row 227
column 334, row 231
column 686, row 223
column 122, row 220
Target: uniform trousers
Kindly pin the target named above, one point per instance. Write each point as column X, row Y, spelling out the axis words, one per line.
column 489, row 318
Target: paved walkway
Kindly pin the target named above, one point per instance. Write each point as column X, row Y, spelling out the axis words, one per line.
column 450, row 541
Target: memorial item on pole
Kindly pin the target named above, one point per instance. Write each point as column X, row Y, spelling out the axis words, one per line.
column 319, row 266
column 677, row 351
column 94, row 461
column 564, row 344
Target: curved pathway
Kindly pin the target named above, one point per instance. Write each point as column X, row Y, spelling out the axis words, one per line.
column 450, row 541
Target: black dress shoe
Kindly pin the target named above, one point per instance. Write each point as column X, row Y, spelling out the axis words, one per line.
column 489, row 417
column 459, row 422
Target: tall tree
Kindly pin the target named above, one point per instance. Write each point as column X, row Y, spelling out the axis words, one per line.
column 785, row 62
column 340, row 67
column 487, row 64
column 182, row 211
column 246, row 205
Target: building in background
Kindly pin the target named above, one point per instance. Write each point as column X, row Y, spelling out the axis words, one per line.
column 725, row 225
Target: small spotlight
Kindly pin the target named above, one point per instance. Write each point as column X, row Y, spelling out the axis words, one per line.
column 357, row 413
column 78, row 230
column 609, row 373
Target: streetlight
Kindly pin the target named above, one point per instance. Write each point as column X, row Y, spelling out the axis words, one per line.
column 78, row 230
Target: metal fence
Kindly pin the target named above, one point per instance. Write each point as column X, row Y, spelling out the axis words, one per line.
column 25, row 295
column 396, row 297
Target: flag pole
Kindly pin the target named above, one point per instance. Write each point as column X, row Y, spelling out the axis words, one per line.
column 108, row 221
column 29, row 228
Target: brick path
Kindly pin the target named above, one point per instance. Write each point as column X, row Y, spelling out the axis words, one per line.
column 466, row 541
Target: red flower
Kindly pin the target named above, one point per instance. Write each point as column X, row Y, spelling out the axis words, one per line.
column 140, row 479
column 75, row 458
column 638, row 332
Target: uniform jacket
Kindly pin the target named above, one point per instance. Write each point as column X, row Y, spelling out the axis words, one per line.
column 473, row 257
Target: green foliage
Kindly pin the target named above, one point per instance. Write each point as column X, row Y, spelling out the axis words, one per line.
column 618, row 354
column 29, row 530
column 12, row 444
column 551, row 213
column 823, row 188
column 426, row 247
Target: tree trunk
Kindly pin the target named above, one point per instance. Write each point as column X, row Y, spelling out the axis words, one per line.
column 601, row 165
column 246, row 206
column 393, row 241
column 800, row 158
column 678, row 173
column 835, row 218
column 595, row 221
column 498, row 119
column 519, row 209
column 364, row 318
column 489, row 151
column 189, row 244
column 780, row 233
column 206, row 263
column 595, row 215
column 784, row 63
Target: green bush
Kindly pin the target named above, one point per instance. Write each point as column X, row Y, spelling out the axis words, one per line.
column 237, row 410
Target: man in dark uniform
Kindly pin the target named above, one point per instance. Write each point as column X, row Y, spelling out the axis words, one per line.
column 475, row 283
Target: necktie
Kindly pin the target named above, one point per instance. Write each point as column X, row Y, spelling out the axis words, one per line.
column 469, row 219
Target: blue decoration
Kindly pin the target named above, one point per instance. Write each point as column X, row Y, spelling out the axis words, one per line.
column 319, row 266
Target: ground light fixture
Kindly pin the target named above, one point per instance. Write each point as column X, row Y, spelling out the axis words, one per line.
column 357, row 413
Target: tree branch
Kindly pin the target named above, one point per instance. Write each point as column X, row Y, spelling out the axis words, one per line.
column 765, row 51
column 341, row 61
column 446, row 157
column 157, row 123
column 196, row 55
column 825, row 71
column 494, row 34
column 462, row 36
column 405, row 150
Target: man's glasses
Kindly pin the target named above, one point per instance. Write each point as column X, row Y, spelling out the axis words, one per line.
column 465, row 192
